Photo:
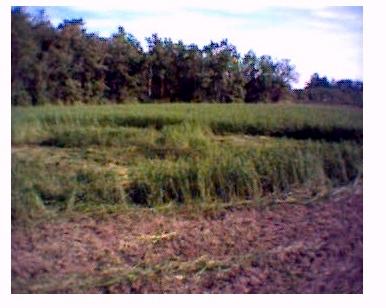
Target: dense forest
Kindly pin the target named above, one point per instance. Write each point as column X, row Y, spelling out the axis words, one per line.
column 66, row 65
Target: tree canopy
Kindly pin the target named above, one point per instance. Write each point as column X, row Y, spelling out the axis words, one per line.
column 65, row 64
column 321, row 90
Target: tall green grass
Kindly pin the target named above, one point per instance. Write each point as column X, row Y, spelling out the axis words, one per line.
column 219, row 173
column 230, row 173
column 296, row 121
column 39, row 187
column 79, row 158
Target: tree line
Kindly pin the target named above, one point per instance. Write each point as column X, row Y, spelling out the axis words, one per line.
column 65, row 64
column 321, row 90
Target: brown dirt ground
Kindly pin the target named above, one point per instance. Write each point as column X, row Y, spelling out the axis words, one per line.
column 288, row 248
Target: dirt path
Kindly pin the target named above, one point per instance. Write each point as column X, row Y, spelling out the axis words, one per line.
column 287, row 249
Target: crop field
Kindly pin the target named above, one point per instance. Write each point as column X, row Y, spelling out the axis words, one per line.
column 148, row 171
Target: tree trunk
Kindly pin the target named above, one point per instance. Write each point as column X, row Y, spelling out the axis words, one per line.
column 150, row 82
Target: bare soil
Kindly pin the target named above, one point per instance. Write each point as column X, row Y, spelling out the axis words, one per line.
column 287, row 248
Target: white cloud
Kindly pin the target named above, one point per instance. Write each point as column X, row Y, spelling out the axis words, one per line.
column 334, row 13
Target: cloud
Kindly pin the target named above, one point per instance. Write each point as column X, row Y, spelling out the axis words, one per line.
column 338, row 13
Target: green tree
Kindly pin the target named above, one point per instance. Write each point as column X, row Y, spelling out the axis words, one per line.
column 221, row 77
column 124, row 63
column 66, row 64
column 24, row 60
column 266, row 80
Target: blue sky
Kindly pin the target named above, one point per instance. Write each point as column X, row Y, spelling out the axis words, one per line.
column 327, row 40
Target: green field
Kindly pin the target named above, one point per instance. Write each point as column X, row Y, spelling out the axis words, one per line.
column 82, row 158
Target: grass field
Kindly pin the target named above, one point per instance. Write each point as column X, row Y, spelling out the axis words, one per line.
column 83, row 158
column 297, row 121
column 187, row 198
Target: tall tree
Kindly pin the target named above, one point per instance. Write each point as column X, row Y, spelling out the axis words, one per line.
column 221, row 76
column 124, row 62
column 24, row 60
column 66, row 64
column 266, row 80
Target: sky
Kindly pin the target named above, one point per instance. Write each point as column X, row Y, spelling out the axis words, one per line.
column 326, row 40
